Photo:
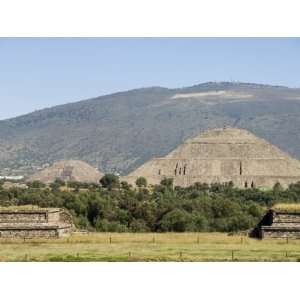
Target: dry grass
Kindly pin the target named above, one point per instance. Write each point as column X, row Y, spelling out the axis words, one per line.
column 21, row 208
column 151, row 247
column 287, row 207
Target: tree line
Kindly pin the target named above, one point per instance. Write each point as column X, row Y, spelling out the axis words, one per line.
column 115, row 206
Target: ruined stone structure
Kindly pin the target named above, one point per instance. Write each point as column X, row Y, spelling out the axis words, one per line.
column 68, row 170
column 278, row 224
column 34, row 222
column 223, row 155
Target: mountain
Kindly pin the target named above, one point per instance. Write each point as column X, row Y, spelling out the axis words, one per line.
column 121, row 131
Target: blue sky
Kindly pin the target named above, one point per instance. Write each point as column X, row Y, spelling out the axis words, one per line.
column 43, row 72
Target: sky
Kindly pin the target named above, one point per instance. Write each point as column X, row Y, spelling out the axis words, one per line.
column 42, row 72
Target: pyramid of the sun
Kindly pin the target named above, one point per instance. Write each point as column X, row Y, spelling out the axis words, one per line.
column 68, row 170
column 223, row 155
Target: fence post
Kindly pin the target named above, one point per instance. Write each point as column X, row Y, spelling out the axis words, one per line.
column 232, row 255
column 198, row 240
column 153, row 239
column 180, row 255
column 287, row 239
column 242, row 240
column 110, row 240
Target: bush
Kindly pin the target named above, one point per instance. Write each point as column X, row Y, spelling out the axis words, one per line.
column 176, row 220
column 58, row 183
column 110, row 181
column 139, row 226
column 81, row 222
column 141, row 182
column 106, row 226
column 36, row 184
column 125, row 185
column 255, row 210
column 199, row 223
column 167, row 182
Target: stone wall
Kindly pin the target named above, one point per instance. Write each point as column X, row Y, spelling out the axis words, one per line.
column 23, row 217
column 291, row 233
column 278, row 225
column 54, row 216
column 41, row 223
column 29, row 233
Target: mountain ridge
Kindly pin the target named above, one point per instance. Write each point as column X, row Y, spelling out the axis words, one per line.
column 120, row 131
column 201, row 85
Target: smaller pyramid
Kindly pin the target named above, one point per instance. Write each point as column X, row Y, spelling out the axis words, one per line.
column 68, row 170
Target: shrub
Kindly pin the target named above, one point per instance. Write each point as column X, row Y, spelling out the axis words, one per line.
column 110, row 181
column 167, row 182
column 175, row 220
column 125, row 185
column 106, row 226
column 36, row 184
column 141, row 182
column 139, row 226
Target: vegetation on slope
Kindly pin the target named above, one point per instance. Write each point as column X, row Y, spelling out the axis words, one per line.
column 117, row 207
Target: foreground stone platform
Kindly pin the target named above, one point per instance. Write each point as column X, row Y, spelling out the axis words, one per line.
column 282, row 221
column 34, row 222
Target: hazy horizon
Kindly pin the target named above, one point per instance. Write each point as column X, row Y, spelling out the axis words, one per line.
column 37, row 73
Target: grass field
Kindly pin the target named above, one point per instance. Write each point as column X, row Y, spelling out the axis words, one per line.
column 151, row 247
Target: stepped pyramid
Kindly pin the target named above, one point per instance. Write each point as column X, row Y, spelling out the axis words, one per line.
column 68, row 170
column 223, row 155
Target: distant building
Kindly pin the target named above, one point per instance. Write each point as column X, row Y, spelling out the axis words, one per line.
column 222, row 155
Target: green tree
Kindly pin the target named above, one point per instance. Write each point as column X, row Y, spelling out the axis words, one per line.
column 277, row 187
column 125, row 185
column 175, row 220
column 167, row 182
column 56, row 184
column 36, row 184
column 110, row 181
column 141, row 182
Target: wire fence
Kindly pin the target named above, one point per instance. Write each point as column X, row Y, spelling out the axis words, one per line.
column 150, row 247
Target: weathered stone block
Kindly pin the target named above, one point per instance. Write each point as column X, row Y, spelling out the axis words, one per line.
column 34, row 222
